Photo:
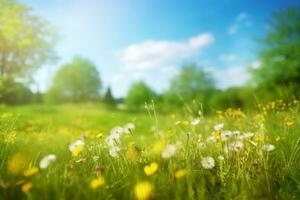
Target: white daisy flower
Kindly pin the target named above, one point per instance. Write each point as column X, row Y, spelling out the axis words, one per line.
column 208, row 162
column 246, row 136
column 47, row 160
column 225, row 135
column 268, row 147
column 117, row 130
column 169, row 151
column 236, row 133
column 74, row 145
column 188, row 134
column 128, row 128
column 218, row 127
column 221, row 158
column 195, row 121
column 211, row 139
column 95, row 158
column 236, row 146
column 114, row 151
column 113, row 139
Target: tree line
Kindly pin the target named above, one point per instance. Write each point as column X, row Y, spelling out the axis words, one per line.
column 27, row 42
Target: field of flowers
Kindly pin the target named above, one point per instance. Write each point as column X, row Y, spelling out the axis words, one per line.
column 92, row 152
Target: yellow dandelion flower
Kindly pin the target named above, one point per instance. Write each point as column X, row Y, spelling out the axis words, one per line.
column 77, row 151
column 143, row 190
column 97, row 183
column 132, row 153
column 277, row 138
column 100, row 135
column 180, row 173
column 288, row 122
column 151, row 169
column 26, row 187
column 17, row 164
column 159, row 146
column 178, row 122
column 186, row 123
column 10, row 138
column 31, row 171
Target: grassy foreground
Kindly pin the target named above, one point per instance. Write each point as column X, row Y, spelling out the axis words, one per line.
column 91, row 152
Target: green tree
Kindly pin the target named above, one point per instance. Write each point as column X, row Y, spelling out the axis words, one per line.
column 108, row 97
column 77, row 81
column 26, row 42
column 17, row 93
column 280, row 52
column 192, row 83
column 138, row 94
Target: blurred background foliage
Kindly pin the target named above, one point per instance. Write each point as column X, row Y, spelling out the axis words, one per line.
column 27, row 42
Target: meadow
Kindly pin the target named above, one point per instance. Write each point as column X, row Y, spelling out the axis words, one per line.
column 89, row 151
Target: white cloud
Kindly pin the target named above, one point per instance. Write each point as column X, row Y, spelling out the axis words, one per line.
column 228, row 57
column 232, row 76
column 255, row 64
column 241, row 20
column 153, row 54
column 170, row 72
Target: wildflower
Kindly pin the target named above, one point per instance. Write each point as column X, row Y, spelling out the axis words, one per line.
column 185, row 123
column 268, row 147
column 97, row 182
column 201, row 144
column 128, row 128
column 177, row 123
column 236, row 146
column 100, row 135
column 158, row 147
column 195, row 121
column 211, row 139
column 218, row 127
column 169, row 151
column 208, row 162
column 117, row 130
column 151, row 169
column 26, row 187
column 180, row 173
column 143, row 190
column 74, row 145
column 113, row 139
column 246, row 136
column 132, row 153
column 188, row 134
column 10, row 138
column 31, row 171
column 225, row 135
column 221, row 158
column 47, row 160
column 114, row 151
column 17, row 164
column 236, row 133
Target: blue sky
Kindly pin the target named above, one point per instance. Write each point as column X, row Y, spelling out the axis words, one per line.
column 149, row 40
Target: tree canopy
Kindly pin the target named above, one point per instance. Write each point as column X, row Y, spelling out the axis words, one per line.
column 26, row 40
column 139, row 93
column 280, row 51
column 191, row 83
column 77, row 81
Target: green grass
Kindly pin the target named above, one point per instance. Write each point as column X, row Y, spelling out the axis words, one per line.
column 251, row 173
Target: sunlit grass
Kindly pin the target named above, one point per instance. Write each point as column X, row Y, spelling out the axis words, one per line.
column 91, row 152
